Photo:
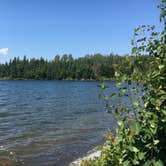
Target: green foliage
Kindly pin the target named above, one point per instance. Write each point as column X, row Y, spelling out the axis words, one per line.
column 91, row 162
column 96, row 67
column 141, row 140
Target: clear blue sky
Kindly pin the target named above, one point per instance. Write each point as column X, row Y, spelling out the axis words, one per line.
column 48, row 27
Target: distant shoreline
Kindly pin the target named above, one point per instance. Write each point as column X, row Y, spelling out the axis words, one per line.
column 86, row 80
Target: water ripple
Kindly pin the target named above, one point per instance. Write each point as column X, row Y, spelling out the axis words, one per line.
column 49, row 122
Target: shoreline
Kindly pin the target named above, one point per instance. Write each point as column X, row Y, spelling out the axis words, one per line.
column 90, row 155
column 89, row 80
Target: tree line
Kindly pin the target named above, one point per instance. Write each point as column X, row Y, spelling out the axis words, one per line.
column 89, row 67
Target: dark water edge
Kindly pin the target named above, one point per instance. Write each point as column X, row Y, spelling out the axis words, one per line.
column 79, row 152
column 84, row 80
column 50, row 122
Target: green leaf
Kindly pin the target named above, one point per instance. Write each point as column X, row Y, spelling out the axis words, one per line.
column 161, row 66
column 126, row 163
column 103, row 86
column 123, row 78
column 134, row 89
column 146, row 104
column 136, row 103
column 120, row 123
column 161, row 92
column 132, row 42
column 105, row 98
column 141, row 155
column 133, row 149
column 134, row 50
column 155, row 142
column 136, row 127
column 135, row 162
column 113, row 95
column 124, row 89
column 158, row 163
column 118, row 84
column 152, row 125
column 137, row 29
column 116, row 115
column 148, row 145
column 117, row 74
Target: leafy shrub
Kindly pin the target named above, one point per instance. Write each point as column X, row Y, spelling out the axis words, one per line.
column 141, row 140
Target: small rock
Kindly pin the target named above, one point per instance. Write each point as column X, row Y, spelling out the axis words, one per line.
column 91, row 155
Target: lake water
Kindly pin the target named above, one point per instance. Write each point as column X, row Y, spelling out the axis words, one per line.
column 50, row 122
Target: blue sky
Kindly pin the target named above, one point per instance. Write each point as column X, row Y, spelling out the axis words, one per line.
column 48, row 27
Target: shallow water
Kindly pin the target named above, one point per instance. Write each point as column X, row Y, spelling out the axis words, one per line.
column 50, row 122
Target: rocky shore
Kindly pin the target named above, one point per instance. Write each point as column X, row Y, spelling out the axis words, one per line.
column 90, row 155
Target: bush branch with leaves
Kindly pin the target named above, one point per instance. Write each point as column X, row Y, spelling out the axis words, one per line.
column 141, row 140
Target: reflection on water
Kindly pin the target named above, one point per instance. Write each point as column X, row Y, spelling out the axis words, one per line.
column 50, row 122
